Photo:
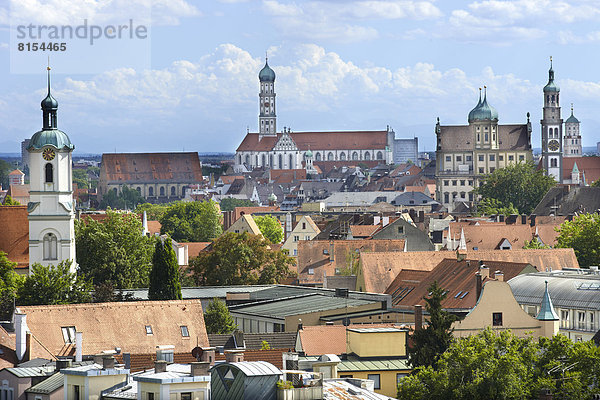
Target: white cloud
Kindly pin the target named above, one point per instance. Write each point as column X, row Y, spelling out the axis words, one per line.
column 63, row 12
column 343, row 21
column 567, row 37
column 504, row 21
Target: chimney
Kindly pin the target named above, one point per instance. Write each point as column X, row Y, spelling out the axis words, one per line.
column 545, row 394
column 386, row 220
column 478, row 285
column 208, row 355
column 98, row 359
column 532, row 219
column 511, row 219
column 421, row 216
column 418, row 317
column 78, row 346
column 63, row 363
column 200, row 368
column 232, row 356
column 523, row 219
column 108, row 362
column 127, row 360
column 160, row 366
column 499, row 275
column 21, row 335
column 331, row 251
column 485, row 272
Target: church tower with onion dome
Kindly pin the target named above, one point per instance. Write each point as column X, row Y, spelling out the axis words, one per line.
column 552, row 144
column 51, row 209
column 267, row 119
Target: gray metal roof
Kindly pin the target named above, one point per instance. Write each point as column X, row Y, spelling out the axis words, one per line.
column 297, row 305
column 203, row 292
column 30, row 372
column 257, row 368
column 374, row 365
column 373, row 330
column 569, row 291
column 341, row 199
column 48, row 385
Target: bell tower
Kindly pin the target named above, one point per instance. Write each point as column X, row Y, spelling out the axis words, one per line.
column 267, row 119
column 51, row 208
column 552, row 144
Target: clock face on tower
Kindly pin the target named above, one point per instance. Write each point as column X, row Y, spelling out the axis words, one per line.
column 553, row 145
column 48, row 154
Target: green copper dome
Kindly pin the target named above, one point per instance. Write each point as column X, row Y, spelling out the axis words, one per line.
column 266, row 74
column 572, row 119
column 49, row 103
column 551, row 87
column 50, row 137
column 483, row 111
column 547, row 312
column 308, row 153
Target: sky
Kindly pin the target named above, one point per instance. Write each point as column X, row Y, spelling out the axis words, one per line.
column 192, row 83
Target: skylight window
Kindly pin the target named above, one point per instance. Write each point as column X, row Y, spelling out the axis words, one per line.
column 184, row 331
column 148, row 329
column 68, row 333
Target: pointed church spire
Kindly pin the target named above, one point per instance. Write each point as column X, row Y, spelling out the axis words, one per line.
column 49, row 107
column 462, row 245
column 547, row 312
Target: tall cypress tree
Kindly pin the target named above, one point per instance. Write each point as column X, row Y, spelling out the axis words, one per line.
column 164, row 277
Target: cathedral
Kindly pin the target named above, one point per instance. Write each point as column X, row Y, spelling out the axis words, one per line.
column 286, row 149
column 51, row 209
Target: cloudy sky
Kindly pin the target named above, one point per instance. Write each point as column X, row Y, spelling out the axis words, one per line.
column 340, row 65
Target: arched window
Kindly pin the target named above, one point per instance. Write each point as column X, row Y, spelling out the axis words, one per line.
column 239, row 158
column 271, row 160
column 49, row 173
column 139, row 189
column 342, row 156
column 256, row 160
column 379, row 155
column 50, row 245
column 247, row 160
column 318, row 156
column 280, row 161
column 291, row 166
column 367, row 156
column 150, row 191
column 263, row 160
column 355, row 156
column 173, row 191
column 330, row 156
column 553, row 162
column 162, row 190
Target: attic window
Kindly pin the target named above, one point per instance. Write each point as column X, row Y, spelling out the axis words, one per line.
column 148, row 329
column 184, row 331
column 464, row 294
column 311, row 271
column 68, row 333
column 458, row 294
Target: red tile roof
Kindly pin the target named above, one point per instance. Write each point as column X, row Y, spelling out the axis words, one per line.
column 318, row 141
column 459, row 279
column 151, row 167
column 14, row 234
column 363, row 231
column 195, row 248
column 286, row 175
column 589, row 165
column 239, row 211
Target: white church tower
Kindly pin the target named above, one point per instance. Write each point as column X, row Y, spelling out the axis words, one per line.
column 51, row 208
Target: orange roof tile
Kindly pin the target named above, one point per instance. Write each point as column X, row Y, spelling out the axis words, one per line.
column 14, row 235
column 239, row 211
column 151, row 167
column 379, row 269
column 314, row 255
column 589, row 165
column 195, row 248
column 119, row 324
column 363, row 231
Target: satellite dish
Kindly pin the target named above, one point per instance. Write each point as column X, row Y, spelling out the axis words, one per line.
column 197, row 353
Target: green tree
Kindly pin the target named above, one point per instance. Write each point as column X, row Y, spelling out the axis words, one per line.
column 500, row 365
column 583, row 235
column 521, row 185
column 491, row 206
column 9, row 201
column 127, row 199
column 80, row 178
column 114, row 250
column 54, row 285
column 10, row 282
column 229, row 204
column 270, row 228
column 430, row 342
column 535, row 243
column 164, row 277
column 154, row 212
column 241, row 259
column 217, row 318
column 192, row 221
column 5, row 169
